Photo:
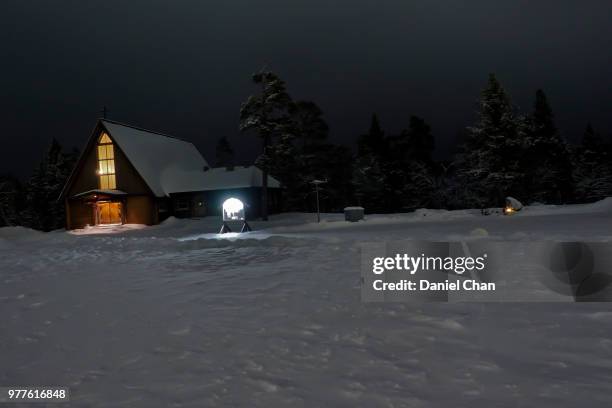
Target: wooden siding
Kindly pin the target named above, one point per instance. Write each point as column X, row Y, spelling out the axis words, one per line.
column 80, row 214
column 86, row 179
column 140, row 210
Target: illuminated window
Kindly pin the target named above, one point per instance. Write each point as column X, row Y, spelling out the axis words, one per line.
column 106, row 163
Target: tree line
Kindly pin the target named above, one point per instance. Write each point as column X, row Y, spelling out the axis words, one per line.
column 504, row 153
column 34, row 204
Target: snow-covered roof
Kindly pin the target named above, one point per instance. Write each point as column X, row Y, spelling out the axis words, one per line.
column 167, row 164
column 220, row 178
column 101, row 192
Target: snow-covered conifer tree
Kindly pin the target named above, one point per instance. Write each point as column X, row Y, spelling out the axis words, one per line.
column 490, row 165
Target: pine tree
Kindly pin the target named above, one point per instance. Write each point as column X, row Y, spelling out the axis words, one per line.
column 284, row 163
column 547, row 160
column 489, row 167
column 369, row 179
column 302, row 155
column 224, row 154
column 327, row 161
column 419, row 141
column 35, row 202
column 266, row 113
column 308, row 123
column 10, row 200
column 43, row 210
column 410, row 168
column 592, row 168
column 369, row 183
column 591, row 140
column 372, row 142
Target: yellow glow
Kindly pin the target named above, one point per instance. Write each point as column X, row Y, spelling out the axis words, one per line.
column 101, row 152
column 106, row 163
column 108, row 213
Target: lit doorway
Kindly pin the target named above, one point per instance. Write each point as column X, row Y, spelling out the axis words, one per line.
column 108, row 213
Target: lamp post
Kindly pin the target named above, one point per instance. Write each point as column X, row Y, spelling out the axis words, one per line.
column 316, row 184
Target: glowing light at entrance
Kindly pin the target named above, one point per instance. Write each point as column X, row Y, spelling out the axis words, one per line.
column 233, row 210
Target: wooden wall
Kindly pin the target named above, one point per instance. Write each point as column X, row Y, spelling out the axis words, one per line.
column 86, row 179
column 79, row 214
column 141, row 210
column 128, row 179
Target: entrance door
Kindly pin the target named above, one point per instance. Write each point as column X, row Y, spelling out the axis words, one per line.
column 108, row 213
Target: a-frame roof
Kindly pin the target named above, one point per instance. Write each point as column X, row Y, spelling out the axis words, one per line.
column 168, row 164
column 162, row 161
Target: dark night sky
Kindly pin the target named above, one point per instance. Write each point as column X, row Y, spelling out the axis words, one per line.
column 183, row 67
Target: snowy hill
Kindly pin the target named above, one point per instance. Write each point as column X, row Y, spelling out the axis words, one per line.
column 178, row 316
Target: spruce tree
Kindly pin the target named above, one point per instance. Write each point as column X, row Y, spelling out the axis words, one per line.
column 302, row 154
column 372, row 142
column 43, row 210
column 592, row 168
column 308, row 123
column 369, row 183
column 591, row 140
column 224, row 154
column 410, row 168
column 10, row 201
column 327, row 161
column 547, row 160
column 300, row 148
column 369, row 179
column 490, row 167
column 419, row 141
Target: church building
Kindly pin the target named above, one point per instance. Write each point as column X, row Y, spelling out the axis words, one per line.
column 128, row 175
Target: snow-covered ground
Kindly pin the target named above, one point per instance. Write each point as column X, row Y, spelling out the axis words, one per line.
column 178, row 316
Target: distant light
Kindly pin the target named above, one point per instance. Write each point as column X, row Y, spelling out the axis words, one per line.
column 508, row 210
column 233, row 210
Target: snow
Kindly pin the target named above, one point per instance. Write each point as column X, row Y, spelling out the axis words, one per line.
column 219, row 178
column 177, row 315
column 513, row 203
column 167, row 164
column 102, row 192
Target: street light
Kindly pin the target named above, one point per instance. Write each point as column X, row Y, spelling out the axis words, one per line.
column 316, row 184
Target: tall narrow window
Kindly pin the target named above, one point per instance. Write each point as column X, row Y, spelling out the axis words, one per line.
column 106, row 163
